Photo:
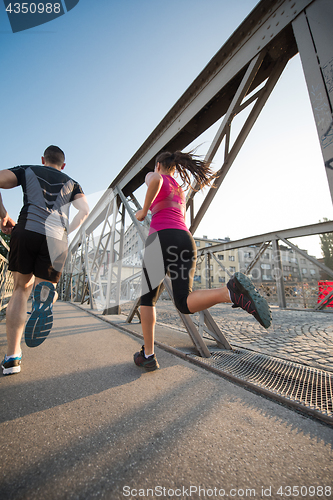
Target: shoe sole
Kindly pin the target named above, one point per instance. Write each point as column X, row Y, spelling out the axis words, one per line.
column 156, row 367
column 11, row 371
column 261, row 305
column 41, row 320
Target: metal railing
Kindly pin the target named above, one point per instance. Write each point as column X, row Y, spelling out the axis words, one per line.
column 124, row 286
column 6, row 280
column 297, row 293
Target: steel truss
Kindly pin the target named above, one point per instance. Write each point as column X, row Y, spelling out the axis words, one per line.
column 241, row 76
column 6, row 278
column 273, row 239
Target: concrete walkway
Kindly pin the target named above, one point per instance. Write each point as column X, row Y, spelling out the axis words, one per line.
column 81, row 421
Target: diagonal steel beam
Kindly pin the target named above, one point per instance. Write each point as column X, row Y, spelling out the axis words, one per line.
column 234, row 107
column 231, row 156
column 263, row 247
column 324, row 302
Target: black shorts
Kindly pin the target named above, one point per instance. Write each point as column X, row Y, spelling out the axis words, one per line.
column 29, row 253
column 171, row 251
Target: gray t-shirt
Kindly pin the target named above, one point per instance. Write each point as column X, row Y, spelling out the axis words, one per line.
column 47, row 195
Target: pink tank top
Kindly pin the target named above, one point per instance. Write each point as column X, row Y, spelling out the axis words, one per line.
column 168, row 209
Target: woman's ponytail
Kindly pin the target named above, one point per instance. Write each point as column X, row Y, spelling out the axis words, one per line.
column 187, row 164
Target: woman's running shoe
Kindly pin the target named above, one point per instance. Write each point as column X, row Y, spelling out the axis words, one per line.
column 243, row 294
column 11, row 364
column 149, row 364
column 41, row 318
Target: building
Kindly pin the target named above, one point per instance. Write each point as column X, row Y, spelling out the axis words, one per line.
column 212, row 272
column 133, row 247
column 294, row 266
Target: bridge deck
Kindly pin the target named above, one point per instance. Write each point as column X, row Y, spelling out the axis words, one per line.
column 82, row 421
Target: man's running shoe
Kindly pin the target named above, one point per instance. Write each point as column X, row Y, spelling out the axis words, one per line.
column 150, row 364
column 243, row 294
column 11, row 365
column 41, row 318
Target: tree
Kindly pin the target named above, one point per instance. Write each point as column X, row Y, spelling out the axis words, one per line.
column 326, row 244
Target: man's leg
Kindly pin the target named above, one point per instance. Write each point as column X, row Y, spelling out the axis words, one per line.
column 39, row 280
column 40, row 321
column 16, row 313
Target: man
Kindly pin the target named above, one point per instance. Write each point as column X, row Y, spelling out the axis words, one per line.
column 38, row 246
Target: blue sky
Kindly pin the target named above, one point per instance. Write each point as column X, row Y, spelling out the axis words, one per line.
column 98, row 80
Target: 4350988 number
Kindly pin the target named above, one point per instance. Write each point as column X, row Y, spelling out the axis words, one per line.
column 305, row 491
column 33, row 8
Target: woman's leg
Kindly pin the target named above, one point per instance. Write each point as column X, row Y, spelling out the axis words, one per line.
column 239, row 291
column 148, row 321
column 153, row 273
column 203, row 299
column 146, row 357
column 181, row 261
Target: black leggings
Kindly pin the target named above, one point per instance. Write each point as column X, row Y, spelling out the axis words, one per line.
column 171, row 251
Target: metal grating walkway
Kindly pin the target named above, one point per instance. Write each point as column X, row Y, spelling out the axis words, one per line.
column 306, row 388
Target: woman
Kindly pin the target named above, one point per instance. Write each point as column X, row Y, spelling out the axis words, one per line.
column 170, row 247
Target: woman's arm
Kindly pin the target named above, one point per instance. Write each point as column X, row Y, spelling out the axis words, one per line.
column 154, row 181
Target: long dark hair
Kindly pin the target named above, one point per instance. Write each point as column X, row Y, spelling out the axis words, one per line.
column 187, row 164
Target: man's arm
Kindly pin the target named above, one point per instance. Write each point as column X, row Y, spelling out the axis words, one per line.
column 8, row 180
column 81, row 204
